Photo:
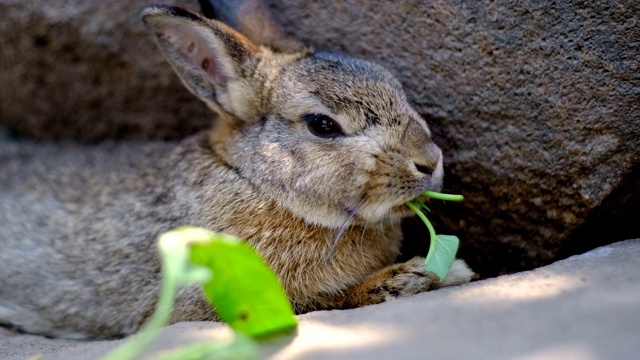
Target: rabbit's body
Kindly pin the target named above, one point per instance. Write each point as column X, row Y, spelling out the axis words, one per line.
column 305, row 144
column 79, row 234
column 73, row 262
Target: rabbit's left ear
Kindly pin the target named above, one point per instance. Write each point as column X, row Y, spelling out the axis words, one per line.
column 210, row 58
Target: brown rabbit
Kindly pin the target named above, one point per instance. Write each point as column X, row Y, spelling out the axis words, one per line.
column 311, row 160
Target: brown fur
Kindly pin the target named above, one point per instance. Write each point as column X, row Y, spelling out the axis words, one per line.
column 80, row 222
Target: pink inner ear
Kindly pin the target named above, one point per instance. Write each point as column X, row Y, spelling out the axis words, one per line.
column 196, row 55
column 193, row 48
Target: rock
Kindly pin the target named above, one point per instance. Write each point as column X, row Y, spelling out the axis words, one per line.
column 535, row 104
column 89, row 70
column 584, row 307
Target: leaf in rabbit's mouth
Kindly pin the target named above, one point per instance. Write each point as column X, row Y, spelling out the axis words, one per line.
column 443, row 248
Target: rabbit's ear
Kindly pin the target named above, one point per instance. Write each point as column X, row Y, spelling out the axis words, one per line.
column 253, row 19
column 208, row 56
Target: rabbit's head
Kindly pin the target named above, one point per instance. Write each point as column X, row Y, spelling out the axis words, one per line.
column 323, row 135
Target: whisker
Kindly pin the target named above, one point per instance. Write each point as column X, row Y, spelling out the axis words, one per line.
column 340, row 232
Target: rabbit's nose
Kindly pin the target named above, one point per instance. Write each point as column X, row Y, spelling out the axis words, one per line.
column 430, row 167
column 425, row 169
column 428, row 160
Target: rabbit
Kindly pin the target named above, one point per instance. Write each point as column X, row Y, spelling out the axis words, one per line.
column 310, row 160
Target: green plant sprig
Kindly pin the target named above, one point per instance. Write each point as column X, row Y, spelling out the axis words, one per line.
column 441, row 196
column 246, row 293
column 443, row 248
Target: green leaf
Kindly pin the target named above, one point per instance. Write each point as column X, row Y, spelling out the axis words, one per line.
column 442, row 253
column 443, row 248
column 244, row 290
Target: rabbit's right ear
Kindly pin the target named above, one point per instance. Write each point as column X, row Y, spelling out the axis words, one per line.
column 253, row 19
column 211, row 59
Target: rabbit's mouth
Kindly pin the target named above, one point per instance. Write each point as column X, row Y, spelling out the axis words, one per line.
column 401, row 211
column 373, row 210
column 379, row 212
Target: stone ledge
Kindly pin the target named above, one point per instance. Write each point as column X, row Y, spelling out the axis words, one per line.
column 584, row 307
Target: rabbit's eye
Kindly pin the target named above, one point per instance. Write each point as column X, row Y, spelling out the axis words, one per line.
column 323, row 126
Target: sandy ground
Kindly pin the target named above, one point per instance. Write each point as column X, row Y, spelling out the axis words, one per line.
column 584, row 307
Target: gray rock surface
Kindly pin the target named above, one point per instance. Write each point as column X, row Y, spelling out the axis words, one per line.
column 90, row 70
column 536, row 104
column 584, row 307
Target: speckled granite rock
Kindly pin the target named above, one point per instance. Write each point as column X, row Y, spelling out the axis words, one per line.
column 89, row 70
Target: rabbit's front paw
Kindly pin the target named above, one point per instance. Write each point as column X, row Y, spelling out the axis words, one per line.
column 395, row 281
column 405, row 279
column 460, row 273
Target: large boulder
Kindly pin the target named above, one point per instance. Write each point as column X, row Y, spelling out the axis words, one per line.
column 89, row 70
column 536, row 105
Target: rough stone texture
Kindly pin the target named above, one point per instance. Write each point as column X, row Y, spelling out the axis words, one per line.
column 89, row 70
column 536, row 104
column 586, row 307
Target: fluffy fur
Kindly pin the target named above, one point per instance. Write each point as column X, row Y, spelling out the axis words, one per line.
column 79, row 222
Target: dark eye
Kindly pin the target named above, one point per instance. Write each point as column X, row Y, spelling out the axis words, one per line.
column 323, row 126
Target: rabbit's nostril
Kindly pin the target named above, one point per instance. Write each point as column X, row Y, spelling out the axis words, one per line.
column 424, row 169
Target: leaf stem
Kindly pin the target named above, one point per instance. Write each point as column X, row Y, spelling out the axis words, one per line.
column 441, row 196
column 423, row 217
column 422, row 205
column 132, row 348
